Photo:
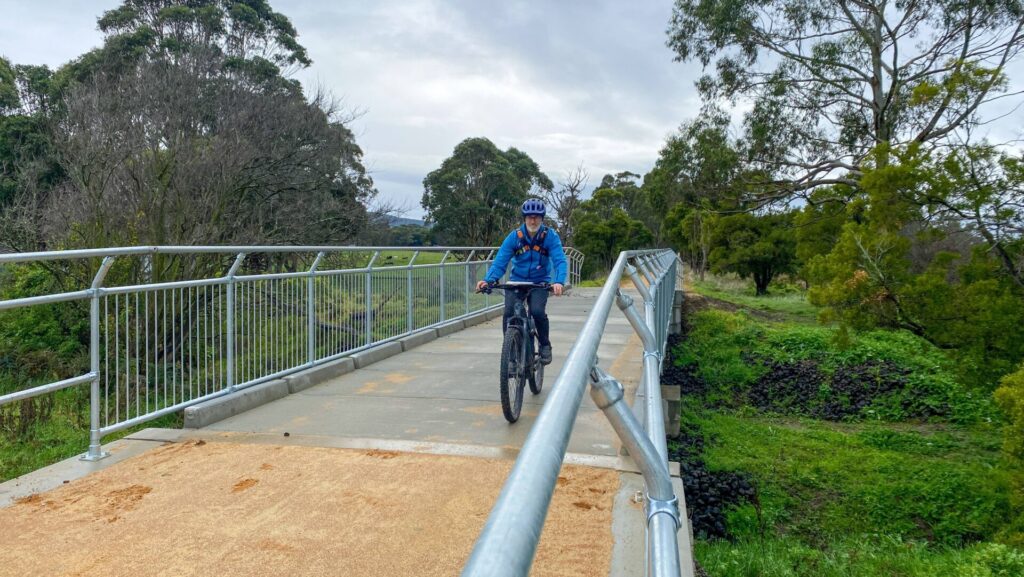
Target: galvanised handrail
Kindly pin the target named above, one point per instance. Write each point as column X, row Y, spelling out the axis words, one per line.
column 575, row 258
column 508, row 542
column 156, row 348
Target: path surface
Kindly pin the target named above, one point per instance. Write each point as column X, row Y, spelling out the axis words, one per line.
column 446, row 391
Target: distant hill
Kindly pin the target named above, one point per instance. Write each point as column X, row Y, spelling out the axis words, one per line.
column 394, row 221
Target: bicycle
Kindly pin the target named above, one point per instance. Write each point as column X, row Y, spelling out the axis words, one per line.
column 520, row 361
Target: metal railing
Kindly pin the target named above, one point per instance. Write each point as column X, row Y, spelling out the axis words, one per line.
column 575, row 263
column 257, row 313
column 508, row 542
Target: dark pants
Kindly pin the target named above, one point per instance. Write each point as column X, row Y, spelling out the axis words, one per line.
column 538, row 302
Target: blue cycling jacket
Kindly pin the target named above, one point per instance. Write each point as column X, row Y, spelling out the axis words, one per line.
column 530, row 266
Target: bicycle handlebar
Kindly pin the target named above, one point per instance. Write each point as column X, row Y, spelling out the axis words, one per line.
column 515, row 285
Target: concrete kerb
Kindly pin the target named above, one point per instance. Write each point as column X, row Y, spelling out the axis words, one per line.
column 452, row 327
column 475, row 319
column 378, row 353
column 214, row 410
column 420, row 338
column 316, row 375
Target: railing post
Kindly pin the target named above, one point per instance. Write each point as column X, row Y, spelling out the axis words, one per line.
column 469, row 260
column 487, row 295
column 409, row 301
column 95, row 449
column 660, row 504
column 231, row 320
column 643, row 266
column 369, row 298
column 311, row 310
column 443, row 258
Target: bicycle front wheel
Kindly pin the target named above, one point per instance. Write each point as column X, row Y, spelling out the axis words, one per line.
column 513, row 374
column 537, row 376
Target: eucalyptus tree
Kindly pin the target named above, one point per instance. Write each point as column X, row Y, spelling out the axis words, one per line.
column 185, row 127
column 475, row 195
column 830, row 80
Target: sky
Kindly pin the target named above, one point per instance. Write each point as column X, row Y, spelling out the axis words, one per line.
column 569, row 82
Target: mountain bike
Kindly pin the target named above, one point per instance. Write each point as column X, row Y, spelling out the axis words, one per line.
column 520, row 361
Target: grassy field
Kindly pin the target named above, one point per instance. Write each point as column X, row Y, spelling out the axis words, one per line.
column 906, row 479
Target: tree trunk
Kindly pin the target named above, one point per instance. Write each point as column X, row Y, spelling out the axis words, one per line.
column 761, row 281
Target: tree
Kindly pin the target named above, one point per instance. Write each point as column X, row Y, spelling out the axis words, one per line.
column 184, row 128
column 28, row 162
column 699, row 164
column 689, row 229
column 605, row 228
column 166, row 157
column 247, row 40
column 819, row 224
column 761, row 247
column 564, row 200
column 8, row 89
column 932, row 250
column 694, row 177
column 830, row 81
column 475, row 196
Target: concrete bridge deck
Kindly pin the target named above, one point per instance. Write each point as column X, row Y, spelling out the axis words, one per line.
column 388, row 470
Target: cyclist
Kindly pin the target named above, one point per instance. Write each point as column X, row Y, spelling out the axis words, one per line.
column 536, row 254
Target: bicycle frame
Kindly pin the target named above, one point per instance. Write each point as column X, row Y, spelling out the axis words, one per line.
column 522, row 320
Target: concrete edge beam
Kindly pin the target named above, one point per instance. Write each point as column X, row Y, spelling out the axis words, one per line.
column 379, row 353
column 314, row 376
column 495, row 314
column 476, row 319
column 420, row 338
column 214, row 410
column 453, row 327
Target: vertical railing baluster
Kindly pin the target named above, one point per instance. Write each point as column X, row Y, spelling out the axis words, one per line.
column 311, row 310
column 443, row 298
column 369, row 299
column 469, row 262
column 231, row 320
column 95, row 450
column 409, row 321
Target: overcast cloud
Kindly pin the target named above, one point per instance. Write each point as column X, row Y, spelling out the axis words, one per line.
column 567, row 82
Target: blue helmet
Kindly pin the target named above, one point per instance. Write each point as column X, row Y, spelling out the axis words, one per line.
column 534, row 206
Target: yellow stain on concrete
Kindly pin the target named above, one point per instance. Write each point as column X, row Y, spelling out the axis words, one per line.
column 398, row 378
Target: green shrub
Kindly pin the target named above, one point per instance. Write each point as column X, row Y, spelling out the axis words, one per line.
column 1010, row 397
column 993, row 560
column 730, row 351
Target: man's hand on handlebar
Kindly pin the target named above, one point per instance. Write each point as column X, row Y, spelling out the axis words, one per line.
column 485, row 287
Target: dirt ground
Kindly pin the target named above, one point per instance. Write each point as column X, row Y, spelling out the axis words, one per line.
column 232, row 509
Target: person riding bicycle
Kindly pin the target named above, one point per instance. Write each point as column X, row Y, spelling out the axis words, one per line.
column 536, row 254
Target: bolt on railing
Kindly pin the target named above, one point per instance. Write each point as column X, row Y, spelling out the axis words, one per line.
column 508, row 542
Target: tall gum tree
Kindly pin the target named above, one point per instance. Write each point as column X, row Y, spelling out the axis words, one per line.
column 830, row 80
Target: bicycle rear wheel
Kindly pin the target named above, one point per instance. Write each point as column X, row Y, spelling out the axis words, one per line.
column 513, row 374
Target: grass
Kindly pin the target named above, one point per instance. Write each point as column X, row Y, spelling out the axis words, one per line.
column 863, row 499
column 877, row 495
column 944, row 485
column 63, row 435
column 783, row 301
column 592, row 283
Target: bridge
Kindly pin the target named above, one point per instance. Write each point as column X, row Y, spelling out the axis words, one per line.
column 342, row 418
